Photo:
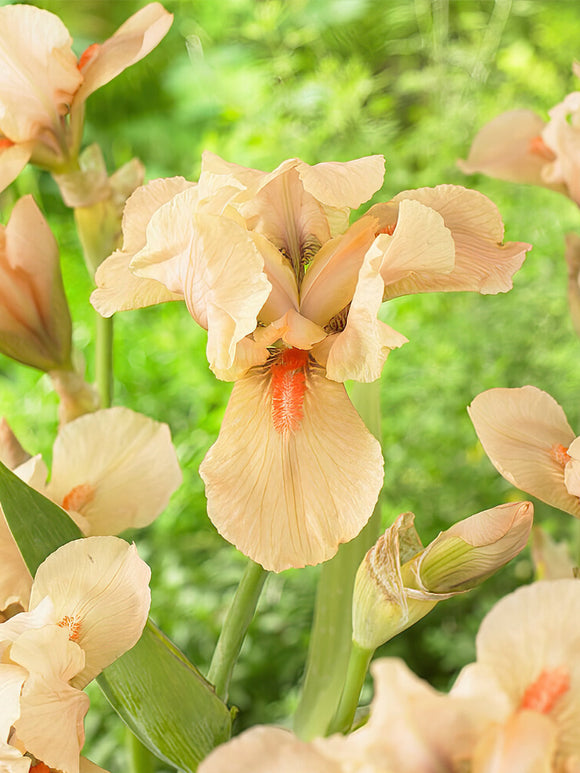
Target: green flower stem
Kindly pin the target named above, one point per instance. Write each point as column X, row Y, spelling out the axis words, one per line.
column 141, row 760
column 358, row 665
column 104, row 359
column 234, row 630
column 331, row 636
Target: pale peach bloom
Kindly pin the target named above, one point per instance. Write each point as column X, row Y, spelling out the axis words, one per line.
column 552, row 560
column 411, row 728
column 529, row 441
column 520, row 146
column 35, row 324
column 43, row 87
column 528, row 668
column 290, row 301
column 112, row 470
column 88, row 605
column 399, row 581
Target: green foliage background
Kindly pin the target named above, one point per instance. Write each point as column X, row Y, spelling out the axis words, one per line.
column 257, row 82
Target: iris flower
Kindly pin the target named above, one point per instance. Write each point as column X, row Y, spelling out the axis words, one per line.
column 88, row 605
column 520, row 146
column 289, row 294
column 43, row 86
column 528, row 439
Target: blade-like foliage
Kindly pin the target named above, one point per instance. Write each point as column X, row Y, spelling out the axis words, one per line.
column 159, row 694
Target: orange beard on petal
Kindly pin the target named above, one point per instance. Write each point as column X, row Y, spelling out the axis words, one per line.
column 542, row 694
column 288, row 386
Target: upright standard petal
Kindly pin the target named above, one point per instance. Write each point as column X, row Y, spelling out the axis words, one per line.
column 526, row 436
column 115, row 467
column 283, row 483
column 562, row 136
column 131, row 42
column 100, row 592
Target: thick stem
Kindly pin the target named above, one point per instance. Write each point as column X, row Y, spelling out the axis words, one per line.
column 358, row 665
column 104, row 359
column 234, row 630
column 331, row 636
column 141, row 760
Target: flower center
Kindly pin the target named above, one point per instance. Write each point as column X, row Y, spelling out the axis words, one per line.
column 559, row 454
column 542, row 694
column 73, row 624
column 288, row 389
column 78, row 496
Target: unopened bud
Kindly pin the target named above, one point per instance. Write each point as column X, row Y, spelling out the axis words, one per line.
column 399, row 581
column 35, row 323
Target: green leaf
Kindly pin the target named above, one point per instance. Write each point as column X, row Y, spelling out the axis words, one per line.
column 165, row 701
column 38, row 525
column 159, row 694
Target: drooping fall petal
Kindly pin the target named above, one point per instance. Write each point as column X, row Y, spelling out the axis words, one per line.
column 115, row 467
column 304, row 483
column 526, row 436
column 51, row 711
column 99, row 589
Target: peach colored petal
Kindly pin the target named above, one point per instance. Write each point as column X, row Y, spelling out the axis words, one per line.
column 551, row 559
column 39, row 617
column 131, row 42
column 38, row 73
column 51, row 711
column 265, row 750
column 34, row 318
column 11, row 680
column 12, row 759
column 414, row 727
column 343, row 184
column 526, row 744
column 281, row 209
column 521, row 431
column 331, row 278
column 503, row 149
column 301, row 492
column 99, row 589
column 293, row 329
column 482, row 262
column 118, row 289
column 218, row 268
column 539, row 624
column 13, row 159
column 124, row 463
column 284, row 293
column 562, row 136
column 248, row 355
column 15, row 579
column 360, row 350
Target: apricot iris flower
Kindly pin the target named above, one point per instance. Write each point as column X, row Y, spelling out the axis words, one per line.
column 289, row 295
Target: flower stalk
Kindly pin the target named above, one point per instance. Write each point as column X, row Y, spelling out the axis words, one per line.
column 235, row 627
column 358, row 665
column 331, row 636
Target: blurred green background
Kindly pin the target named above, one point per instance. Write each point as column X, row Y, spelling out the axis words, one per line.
column 258, row 82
